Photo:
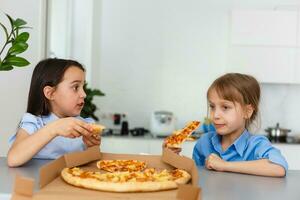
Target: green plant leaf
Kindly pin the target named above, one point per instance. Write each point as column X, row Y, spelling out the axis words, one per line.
column 5, row 67
column 11, row 20
column 19, row 22
column 22, row 27
column 18, row 48
column 5, row 30
column 97, row 92
column 17, row 61
column 23, row 37
column 89, row 107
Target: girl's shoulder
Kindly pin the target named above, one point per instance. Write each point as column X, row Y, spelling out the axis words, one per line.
column 28, row 117
column 88, row 119
column 255, row 139
column 206, row 137
column 31, row 123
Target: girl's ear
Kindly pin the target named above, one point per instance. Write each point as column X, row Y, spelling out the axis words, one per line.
column 48, row 92
column 248, row 111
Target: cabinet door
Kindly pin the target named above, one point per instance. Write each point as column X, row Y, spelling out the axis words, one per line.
column 264, row 27
column 291, row 153
column 264, row 43
column 124, row 145
column 155, row 146
column 267, row 64
column 187, row 148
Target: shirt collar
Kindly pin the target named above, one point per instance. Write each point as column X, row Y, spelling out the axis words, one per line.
column 216, row 142
column 240, row 143
column 49, row 118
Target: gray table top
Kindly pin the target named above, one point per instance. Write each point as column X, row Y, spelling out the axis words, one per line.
column 215, row 185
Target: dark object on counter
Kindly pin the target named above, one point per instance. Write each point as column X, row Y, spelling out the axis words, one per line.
column 124, row 128
column 277, row 134
column 107, row 132
column 138, row 131
column 117, row 119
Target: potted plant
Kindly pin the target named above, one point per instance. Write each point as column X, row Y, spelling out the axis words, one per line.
column 15, row 43
column 89, row 107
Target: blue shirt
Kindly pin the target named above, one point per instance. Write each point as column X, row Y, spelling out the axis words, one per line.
column 57, row 146
column 247, row 147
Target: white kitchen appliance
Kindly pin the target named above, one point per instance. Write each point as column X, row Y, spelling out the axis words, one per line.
column 162, row 123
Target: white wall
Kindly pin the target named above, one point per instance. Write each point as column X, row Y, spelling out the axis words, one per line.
column 164, row 54
column 148, row 55
column 14, row 85
column 280, row 103
column 70, row 31
column 160, row 55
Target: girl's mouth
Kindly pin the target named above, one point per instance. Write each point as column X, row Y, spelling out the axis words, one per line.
column 81, row 104
column 218, row 126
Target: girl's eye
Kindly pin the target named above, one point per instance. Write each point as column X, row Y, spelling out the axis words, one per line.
column 211, row 106
column 75, row 87
column 226, row 107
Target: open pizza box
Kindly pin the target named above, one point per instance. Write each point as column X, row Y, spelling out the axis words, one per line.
column 52, row 186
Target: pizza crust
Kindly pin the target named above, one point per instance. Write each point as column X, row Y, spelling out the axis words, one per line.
column 147, row 186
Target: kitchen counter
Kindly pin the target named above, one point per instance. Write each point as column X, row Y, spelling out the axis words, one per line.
column 215, row 185
column 148, row 136
column 151, row 145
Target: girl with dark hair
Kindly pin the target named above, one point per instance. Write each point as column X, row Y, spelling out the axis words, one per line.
column 233, row 101
column 52, row 126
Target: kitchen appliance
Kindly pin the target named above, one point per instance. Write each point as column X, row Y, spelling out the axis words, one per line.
column 277, row 134
column 162, row 123
column 139, row 131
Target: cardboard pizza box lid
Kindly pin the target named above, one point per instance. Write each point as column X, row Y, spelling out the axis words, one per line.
column 52, row 186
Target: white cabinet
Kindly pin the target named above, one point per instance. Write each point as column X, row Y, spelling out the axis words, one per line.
column 124, row 145
column 140, row 146
column 266, row 64
column 291, row 152
column 264, row 27
column 265, row 44
column 154, row 147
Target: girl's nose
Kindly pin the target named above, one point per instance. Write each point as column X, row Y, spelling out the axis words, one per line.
column 83, row 94
column 216, row 114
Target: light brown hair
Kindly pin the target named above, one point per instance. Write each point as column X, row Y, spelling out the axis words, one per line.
column 240, row 88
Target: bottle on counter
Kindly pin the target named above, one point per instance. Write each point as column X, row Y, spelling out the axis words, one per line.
column 124, row 126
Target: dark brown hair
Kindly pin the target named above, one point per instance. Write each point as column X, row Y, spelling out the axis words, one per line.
column 241, row 88
column 48, row 72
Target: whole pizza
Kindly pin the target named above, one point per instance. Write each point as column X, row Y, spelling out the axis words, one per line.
column 148, row 180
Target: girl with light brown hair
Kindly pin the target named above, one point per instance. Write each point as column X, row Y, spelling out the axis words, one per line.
column 233, row 101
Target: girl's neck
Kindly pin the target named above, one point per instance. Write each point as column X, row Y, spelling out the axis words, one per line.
column 229, row 139
column 57, row 115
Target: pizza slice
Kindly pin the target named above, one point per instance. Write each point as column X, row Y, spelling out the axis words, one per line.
column 121, row 165
column 97, row 129
column 178, row 137
column 149, row 180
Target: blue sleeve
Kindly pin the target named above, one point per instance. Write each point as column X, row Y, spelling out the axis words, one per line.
column 198, row 157
column 87, row 120
column 29, row 123
column 265, row 150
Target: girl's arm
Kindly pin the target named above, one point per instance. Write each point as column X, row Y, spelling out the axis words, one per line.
column 262, row 167
column 26, row 146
